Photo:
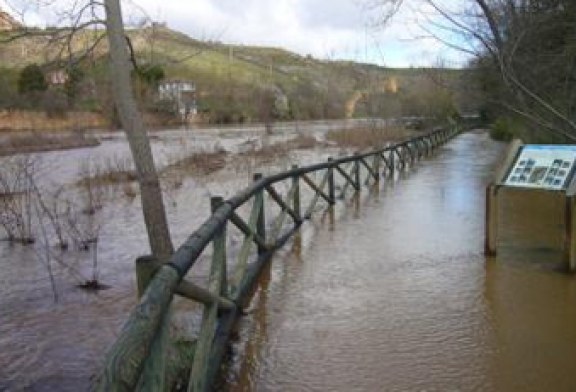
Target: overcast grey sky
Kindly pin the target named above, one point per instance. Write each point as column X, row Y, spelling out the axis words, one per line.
column 341, row 29
column 334, row 29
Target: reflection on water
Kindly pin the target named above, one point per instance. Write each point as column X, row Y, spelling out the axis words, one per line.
column 397, row 295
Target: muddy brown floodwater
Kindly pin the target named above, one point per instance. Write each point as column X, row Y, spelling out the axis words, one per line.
column 59, row 346
column 388, row 292
column 393, row 293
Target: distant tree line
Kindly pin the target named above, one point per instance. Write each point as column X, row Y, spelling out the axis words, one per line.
column 321, row 90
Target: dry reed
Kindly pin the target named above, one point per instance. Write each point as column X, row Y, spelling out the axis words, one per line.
column 366, row 138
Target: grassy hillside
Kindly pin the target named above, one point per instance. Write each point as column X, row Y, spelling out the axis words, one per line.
column 246, row 83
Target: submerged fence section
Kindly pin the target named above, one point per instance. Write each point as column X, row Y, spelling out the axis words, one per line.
column 273, row 208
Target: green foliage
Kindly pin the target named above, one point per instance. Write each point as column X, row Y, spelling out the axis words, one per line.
column 9, row 97
column 180, row 360
column 435, row 103
column 31, row 80
column 503, row 130
column 151, row 74
column 75, row 77
column 231, row 80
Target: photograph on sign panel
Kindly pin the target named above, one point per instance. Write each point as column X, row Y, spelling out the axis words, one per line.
column 537, row 174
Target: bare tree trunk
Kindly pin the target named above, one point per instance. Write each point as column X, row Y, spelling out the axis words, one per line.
column 133, row 124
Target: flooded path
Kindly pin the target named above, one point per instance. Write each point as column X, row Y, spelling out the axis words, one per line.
column 393, row 293
column 48, row 345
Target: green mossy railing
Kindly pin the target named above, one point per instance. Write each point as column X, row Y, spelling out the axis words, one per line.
column 138, row 358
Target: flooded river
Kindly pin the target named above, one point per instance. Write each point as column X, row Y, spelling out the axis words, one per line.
column 59, row 346
column 390, row 291
column 393, row 293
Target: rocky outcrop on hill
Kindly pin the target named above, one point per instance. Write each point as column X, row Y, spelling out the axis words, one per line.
column 7, row 22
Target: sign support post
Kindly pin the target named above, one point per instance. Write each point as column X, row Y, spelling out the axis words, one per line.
column 491, row 221
column 570, row 227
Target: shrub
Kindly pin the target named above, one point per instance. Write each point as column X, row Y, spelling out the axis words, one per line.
column 31, row 79
column 502, row 130
column 55, row 104
column 366, row 137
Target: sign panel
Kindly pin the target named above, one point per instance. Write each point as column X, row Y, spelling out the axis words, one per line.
column 543, row 166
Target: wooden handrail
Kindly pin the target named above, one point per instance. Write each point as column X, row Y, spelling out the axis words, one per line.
column 136, row 349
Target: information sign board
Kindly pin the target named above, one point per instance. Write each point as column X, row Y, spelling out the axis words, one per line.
column 543, row 167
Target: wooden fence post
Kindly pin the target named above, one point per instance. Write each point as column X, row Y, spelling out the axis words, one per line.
column 491, row 225
column 146, row 268
column 331, row 185
column 570, row 226
column 296, row 199
column 411, row 153
column 421, row 149
column 402, row 157
column 153, row 374
column 392, row 164
column 261, row 223
column 219, row 244
column 376, row 166
column 357, row 171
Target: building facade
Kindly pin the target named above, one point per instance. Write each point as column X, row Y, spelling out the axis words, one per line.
column 182, row 93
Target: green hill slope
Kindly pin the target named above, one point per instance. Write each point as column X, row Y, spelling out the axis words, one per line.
column 245, row 83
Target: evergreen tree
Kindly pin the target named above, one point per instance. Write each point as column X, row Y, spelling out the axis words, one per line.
column 31, row 79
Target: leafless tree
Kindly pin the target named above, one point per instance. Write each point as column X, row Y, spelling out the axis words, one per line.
column 44, row 254
column 77, row 16
column 17, row 195
column 91, row 194
column 132, row 121
column 53, row 207
column 528, row 43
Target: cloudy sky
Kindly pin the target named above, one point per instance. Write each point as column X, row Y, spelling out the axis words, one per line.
column 327, row 29
column 342, row 29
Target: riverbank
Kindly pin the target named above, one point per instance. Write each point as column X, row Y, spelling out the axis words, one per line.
column 31, row 132
column 24, row 132
column 32, row 143
column 16, row 121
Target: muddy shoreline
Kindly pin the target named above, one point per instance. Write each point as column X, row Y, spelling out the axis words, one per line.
column 16, row 121
column 45, row 144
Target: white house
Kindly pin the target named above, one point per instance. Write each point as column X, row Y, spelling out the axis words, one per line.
column 57, row 77
column 182, row 93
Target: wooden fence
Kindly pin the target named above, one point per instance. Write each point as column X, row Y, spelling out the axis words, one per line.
column 138, row 359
